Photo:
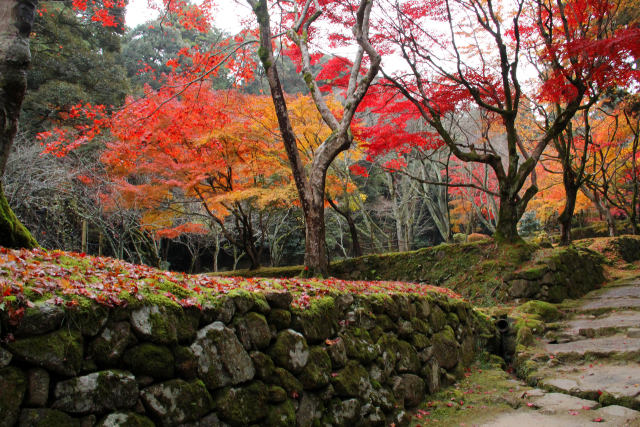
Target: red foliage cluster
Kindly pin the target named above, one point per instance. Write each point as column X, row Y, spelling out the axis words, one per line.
column 60, row 277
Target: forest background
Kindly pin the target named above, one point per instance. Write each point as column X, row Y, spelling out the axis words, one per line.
column 160, row 144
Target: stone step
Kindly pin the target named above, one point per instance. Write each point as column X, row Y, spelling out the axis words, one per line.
column 591, row 326
column 618, row 297
column 608, row 383
column 561, row 410
column 617, row 346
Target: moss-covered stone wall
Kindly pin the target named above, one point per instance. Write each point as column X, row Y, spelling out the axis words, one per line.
column 248, row 359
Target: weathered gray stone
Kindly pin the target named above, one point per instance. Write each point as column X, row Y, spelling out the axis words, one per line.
column 552, row 403
column 343, row 412
column 44, row 417
column 410, row 389
column 290, row 351
column 125, row 419
column 60, row 351
column 283, row 415
column 40, row 319
column 244, row 405
column 253, row 331
column 337, row 352
column 446, row 348
column 155, row 323
column 13, row 384
column 107, row 348
column 352, row 381
column 309, row 411
column 407, row 358
column 177, row 401
column 38, row 388
column 359, row 345
column 221, row 358
column 5, row 357
column 97, row 392
column 384, row 399
column 521, row 288
column 317, row 373
column 263, row 364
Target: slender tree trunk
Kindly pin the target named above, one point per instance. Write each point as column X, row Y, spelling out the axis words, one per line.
column 566, row 216
column 356, row 250
column 602, row 209
column 16, row 20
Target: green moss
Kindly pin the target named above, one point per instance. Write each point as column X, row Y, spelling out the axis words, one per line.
column 282, row 415
column 48, row 417
column 359, row 345
column 150, row 359
column 60, row 351
column 316, row 373
column 12, row 233
column 350, row 380
column 547, row 312
column 244, row 405
column 13, row 385
column 287, row 381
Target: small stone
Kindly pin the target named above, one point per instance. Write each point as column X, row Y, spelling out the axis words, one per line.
column 280, row 318
column 280, row 300
column 253, row 331
column 107, row 348
column 38, row 389
column 13, row 385
column 244, row 405
column 155, row 323
column 310, row 410
column 88, row 320
column 44, row 417
column 97, row 392
column 410, row 389
column 352, row 381
column 125, row 419
column 446, row 348
column 5, row 357
column 337, row 352
column 633, row 332
column 60, row 351
column 276, row 394
column 263, row 364
column 316, row 374
column 150, row 359
column 177, row 401
column 40, row 319
column 290, row 351
column 283, row 415
column 343, row 413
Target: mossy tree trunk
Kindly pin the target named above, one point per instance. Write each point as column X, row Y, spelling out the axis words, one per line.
column 16, row 20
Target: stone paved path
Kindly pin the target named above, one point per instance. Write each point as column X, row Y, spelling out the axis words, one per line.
column 592, row 371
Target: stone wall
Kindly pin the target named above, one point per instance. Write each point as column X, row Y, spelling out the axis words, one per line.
column 567, row 272
column 251, row 359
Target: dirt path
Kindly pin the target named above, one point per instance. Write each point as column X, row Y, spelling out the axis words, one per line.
column 588, row 369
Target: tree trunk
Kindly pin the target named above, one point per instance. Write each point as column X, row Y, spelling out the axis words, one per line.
column 508, row 217
column 16, row 20
column 566, row 217
column 315, row 254
column 356, row 250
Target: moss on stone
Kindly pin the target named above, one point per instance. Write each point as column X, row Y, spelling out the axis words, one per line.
column 317, row 373
column 60, row 351
column 359, row 345
column 280, row 318
column 287, row 381
column 281, row 415
column 243, row 406
column 150, row 359
column 13, row 385
column 350, row 381
column 12, row 233
column 547, row 311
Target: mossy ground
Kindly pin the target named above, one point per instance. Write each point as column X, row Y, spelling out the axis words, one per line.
column 485, row 391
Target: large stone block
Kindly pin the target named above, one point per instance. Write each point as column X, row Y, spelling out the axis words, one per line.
column 222, row 360
column 97, row 392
